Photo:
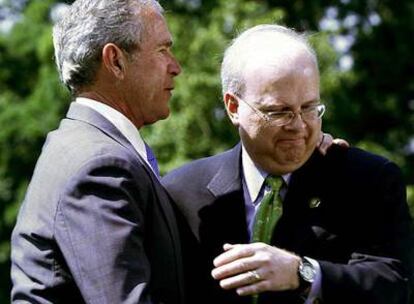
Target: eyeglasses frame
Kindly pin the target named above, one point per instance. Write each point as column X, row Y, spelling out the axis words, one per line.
column 266, row 115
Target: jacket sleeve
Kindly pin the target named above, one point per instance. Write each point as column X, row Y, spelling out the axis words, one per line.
column 380, row 272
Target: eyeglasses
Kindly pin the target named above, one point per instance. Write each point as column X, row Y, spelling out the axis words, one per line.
column 282, row 118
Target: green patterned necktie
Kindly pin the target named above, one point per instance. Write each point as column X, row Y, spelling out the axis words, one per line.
column 269, row 211
column 267, row 215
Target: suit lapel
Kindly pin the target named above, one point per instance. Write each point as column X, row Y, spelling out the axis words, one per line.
column 228, row 178
column 225, row 218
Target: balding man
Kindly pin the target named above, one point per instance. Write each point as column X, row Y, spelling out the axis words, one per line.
column 294, row 225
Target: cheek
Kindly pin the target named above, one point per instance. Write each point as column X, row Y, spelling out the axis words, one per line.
column 251, row 124
column 261, row 140
column 314, row 131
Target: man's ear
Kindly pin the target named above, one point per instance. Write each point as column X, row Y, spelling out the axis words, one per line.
column 114, row 60
column 231, row 104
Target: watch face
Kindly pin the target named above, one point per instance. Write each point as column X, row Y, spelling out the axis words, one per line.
column 307, row 272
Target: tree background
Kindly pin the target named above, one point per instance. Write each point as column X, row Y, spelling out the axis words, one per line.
column 366, row 61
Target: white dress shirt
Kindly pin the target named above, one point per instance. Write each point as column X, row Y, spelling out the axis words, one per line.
column 121, row 122
column 253, row 184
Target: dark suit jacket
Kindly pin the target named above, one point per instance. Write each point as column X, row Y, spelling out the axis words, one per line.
column 359, row 233
column 96, row 226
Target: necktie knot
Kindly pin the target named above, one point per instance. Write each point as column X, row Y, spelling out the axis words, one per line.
column 274, row 182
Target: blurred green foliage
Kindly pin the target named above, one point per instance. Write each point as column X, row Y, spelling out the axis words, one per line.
column 371, row 105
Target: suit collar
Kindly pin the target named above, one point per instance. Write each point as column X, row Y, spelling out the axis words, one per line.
column 120, row 121
column 90, row 116
column 227, row 178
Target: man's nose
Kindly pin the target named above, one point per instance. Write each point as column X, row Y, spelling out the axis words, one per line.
column 297, row 122
column 174, row 67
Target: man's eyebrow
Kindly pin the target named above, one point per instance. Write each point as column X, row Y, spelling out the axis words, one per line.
column 313, row 101
column 168, row 43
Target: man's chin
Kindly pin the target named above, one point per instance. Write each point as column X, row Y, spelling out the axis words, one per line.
column 282, row 166
column 160, row 116
column 292, row 161
column 291, row 154
column 165, row 115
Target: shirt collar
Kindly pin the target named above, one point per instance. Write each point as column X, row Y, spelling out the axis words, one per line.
column 254, row 177
column 120, row 121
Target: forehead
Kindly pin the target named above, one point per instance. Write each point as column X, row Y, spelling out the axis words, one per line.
column 156, row 29
column 290, row 75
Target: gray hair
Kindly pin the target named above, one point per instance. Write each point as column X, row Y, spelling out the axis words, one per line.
column 80, row 35
column 251, row 45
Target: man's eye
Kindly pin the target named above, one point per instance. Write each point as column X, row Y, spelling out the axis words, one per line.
column 276, row 115
column 309, row 108
column 165, row 49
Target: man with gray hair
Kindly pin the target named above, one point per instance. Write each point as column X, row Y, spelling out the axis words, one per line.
column 96, row 226
column 274, row 221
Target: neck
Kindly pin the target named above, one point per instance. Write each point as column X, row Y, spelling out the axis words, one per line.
column 114, row 102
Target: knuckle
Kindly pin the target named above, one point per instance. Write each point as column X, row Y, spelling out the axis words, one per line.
column 248, row 278
column 243, row 266
column 240, row 266
column 250, row 250
column 266, row 258
column 242, row 251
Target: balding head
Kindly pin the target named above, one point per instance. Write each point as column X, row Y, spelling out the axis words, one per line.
column 261, row 47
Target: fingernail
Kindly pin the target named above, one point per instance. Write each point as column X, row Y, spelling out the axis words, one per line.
column 240, row 292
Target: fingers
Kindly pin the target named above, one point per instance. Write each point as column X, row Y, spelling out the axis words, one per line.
column 326, row 141
column 252, row 289
column 232, row 253
column 228, row 246
column 256, row 267
column 341, row 142
column 322, row 138
column 242, row 279
column 236, row 260
column 234, row 268
column 256, row 275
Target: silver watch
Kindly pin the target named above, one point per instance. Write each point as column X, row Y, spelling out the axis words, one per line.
column 306, row 271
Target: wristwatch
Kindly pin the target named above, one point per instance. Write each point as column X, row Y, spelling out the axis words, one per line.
column 307, row 274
